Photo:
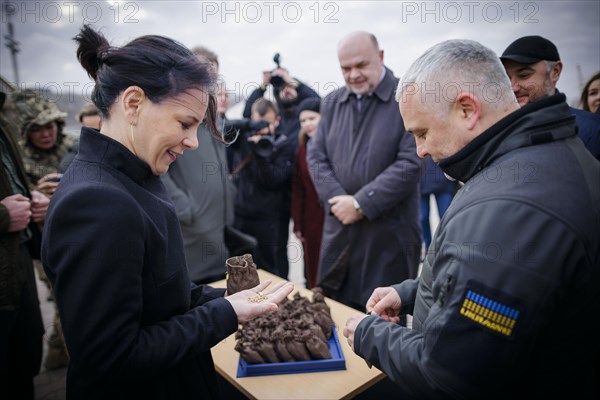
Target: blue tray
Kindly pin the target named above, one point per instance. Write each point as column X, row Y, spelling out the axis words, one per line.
column 335, row 363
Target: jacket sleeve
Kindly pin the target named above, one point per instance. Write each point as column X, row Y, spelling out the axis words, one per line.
column 201, row 294
column 4, row 219
column 398, row 181
column 181, row 200
column 255, row 95
column 496, row 290
column 94, row 256
column 407, row 291
column 304, row 92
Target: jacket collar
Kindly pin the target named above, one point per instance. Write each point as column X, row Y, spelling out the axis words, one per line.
column 546, row 120
column 384, row 91
column 98, row 148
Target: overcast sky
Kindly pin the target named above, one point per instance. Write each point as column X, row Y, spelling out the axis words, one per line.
column 246, row 34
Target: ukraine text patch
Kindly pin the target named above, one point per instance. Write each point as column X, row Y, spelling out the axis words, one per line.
column 489, row 312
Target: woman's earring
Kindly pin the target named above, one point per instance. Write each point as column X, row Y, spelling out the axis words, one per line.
column 132, row 139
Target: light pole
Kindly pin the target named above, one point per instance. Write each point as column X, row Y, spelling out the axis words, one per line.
column 11, row 43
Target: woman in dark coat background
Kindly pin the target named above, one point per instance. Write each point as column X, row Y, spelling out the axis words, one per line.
column 307, row 210
column 134, row 324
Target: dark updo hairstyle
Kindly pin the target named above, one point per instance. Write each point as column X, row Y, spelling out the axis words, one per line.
column 162, row 67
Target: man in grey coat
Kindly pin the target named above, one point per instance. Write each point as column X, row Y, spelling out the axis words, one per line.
column 506, row 304
column 203, row 199
column 366, row 172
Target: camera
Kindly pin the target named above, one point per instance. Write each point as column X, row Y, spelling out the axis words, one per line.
column 264, row 146
column 244, row 126
column 276, row 80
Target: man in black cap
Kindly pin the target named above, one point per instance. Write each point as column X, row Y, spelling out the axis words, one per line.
column 533, row 66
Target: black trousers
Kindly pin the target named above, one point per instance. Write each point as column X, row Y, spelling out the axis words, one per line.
column 21, row 335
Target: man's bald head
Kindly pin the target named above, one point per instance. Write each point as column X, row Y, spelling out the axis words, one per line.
column 361, row 61
column 359, row 36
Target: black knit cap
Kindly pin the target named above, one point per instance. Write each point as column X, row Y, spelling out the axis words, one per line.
column 309, row 104
column 530, row 49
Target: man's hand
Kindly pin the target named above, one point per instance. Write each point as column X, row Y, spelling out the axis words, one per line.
column 261, row 128
column 39, row 206
column 350, row 328
column 385, row 302
column 343, row 209
column 19, row 211
column 48, row 183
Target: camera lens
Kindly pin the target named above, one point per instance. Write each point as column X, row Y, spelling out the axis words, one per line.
column 277, row 81
column 264, row 146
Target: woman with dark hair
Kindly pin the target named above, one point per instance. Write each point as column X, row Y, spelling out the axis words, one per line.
column 590, row 95
column 134, row 324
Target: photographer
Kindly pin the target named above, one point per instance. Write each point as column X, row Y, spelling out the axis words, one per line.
column 261, row 164
column 288, row 93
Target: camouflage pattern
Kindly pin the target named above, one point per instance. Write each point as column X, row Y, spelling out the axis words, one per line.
column 39, row 162
column 33, row 108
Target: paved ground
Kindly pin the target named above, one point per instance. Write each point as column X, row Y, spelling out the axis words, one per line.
column 49, row 385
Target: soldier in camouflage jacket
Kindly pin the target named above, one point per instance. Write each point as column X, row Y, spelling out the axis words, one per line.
column 43, row 142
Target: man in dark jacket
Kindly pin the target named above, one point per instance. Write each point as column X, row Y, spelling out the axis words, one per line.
column 533, row 66
column 366, row 172
column 505, row 305
column 21, row 326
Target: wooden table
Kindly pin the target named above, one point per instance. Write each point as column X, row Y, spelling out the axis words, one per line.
column 344, row 384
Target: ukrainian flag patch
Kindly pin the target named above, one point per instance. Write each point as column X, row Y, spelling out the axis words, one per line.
column 489, row 313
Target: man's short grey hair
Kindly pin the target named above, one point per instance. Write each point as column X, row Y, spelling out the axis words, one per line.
column 452, row 67
column 549, row 87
